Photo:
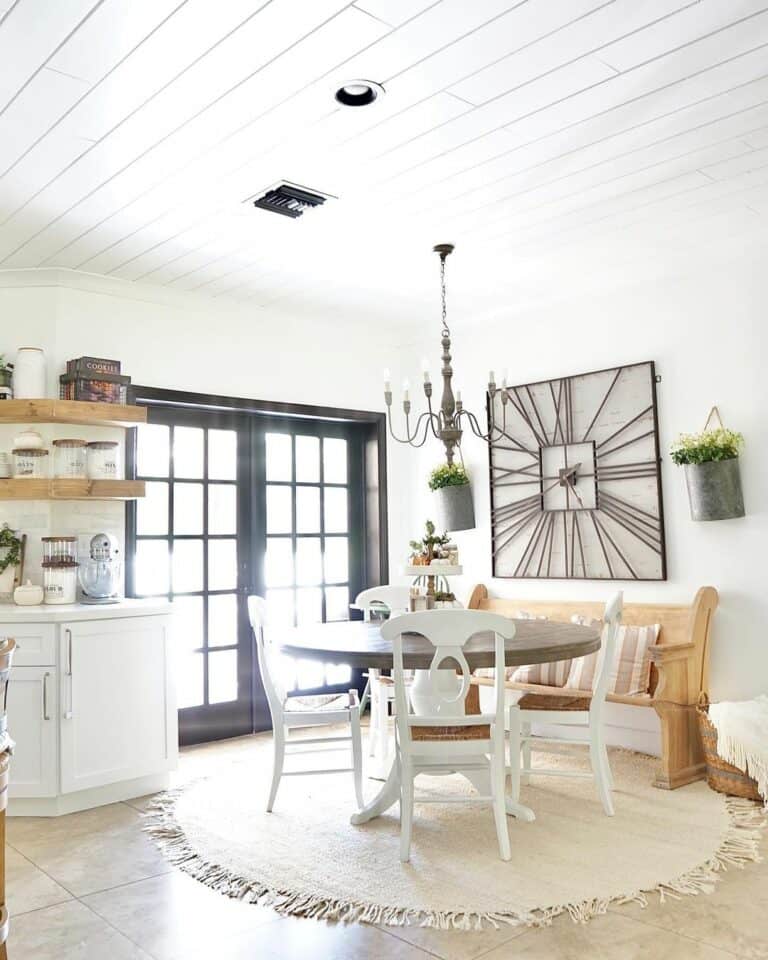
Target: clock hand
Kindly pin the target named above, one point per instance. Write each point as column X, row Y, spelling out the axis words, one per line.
column 572, row 489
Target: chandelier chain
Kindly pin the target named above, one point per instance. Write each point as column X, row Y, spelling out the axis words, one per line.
column 446, row 331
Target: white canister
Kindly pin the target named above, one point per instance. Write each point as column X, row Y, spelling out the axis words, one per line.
column 5, row 465
column 60, row 583
column 29, row 374
column 104, row 460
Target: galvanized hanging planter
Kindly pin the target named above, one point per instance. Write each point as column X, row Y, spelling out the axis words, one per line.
column 714, row 490
column 453, row 508
column 711, row 464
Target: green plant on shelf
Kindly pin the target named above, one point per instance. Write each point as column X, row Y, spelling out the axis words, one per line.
column 448, row 475
column 10, row 548
column 709, row 445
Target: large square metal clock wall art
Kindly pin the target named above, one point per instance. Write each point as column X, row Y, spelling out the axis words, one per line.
column 575, row 478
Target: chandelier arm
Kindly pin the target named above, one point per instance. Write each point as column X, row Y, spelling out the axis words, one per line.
column 475, row 425
column 433, row 417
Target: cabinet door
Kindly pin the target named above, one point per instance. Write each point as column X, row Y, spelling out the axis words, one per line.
column 32, row 711
column 118, row 719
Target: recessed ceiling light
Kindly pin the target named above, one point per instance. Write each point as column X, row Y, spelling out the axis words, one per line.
column 359, row 93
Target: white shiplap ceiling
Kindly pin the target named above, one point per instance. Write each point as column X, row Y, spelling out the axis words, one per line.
column 544, row 137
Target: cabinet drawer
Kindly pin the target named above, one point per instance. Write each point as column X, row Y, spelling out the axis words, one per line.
column 36, row 643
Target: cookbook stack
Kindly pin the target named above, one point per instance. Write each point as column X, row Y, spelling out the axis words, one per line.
column 94, row 379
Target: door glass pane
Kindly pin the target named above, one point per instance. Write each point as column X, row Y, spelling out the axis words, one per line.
column 279, row 456
column 187, row 623
column 187, row 508
column 187, row 566
column 309, row 568
column 222, row 508
column 222, row 564
column 222, row 676
column 152, row 510
column 336, row 560
column 334, row 460
column 222, row 620
column 307, row 459
column 279, row 609
column 335, row 510
column 152, row 450
column 336, row 603
column 278, row 562
column 151, row 567
column 222, row 454
column 189, row 680
column 279, row 509
column 188, row 452
column 309, row 605
column 308, row 509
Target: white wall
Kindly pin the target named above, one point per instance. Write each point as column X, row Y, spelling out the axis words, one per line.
column 705, row 330
column 185, row 343
column 707, row 334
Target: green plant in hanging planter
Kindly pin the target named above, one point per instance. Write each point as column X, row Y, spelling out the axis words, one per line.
column 10, row 548
column 707, row 446
column 710, row 461
column 448, row 475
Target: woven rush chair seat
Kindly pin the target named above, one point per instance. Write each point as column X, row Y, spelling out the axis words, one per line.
column 546, row 701
column 482, row 732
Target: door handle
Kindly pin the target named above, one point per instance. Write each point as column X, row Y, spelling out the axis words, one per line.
column 69, row 712
column 46, row 714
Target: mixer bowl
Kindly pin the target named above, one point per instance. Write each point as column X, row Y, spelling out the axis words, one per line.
column 100, row 579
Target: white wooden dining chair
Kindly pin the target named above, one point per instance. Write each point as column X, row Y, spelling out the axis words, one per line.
column 560, row 710
column 445, row 739
column 394, row 600
column 290, row 713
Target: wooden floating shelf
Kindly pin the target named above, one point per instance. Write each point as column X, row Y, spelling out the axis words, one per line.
column 79, row 412
column 27, row 489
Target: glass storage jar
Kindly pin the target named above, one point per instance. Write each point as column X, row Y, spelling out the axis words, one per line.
column 59, row 550
column 69, row 459
column 104, row 460
column 59, row 581
column 30, row 463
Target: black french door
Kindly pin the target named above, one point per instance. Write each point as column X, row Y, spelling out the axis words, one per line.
column 240, row 503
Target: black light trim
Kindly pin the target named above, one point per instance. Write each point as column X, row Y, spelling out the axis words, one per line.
column 358, row 93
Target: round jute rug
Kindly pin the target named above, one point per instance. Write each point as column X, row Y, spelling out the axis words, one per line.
column 306, row 859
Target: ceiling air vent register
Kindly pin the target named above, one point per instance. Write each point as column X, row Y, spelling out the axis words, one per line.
column 290, row 200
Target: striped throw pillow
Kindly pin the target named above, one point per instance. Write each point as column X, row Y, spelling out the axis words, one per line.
column 548, row 674
column 631, row 669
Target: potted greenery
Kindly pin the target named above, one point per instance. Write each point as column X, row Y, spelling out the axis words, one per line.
column 711, row 463
column 452, row 496
column 423, row 551
column 10, row 560
column 6, row 377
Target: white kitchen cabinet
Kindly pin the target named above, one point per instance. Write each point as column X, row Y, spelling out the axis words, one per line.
column 115, row 701
column 32, row 703
column 92, row 708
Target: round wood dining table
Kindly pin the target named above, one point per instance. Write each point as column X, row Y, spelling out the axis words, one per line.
column 359, row 644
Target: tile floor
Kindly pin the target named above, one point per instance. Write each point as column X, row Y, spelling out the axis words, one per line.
column 90, row 886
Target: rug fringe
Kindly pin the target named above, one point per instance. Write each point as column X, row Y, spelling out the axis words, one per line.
column 739, row 845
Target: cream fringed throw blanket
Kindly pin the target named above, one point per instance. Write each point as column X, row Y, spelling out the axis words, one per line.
column 742, row 737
